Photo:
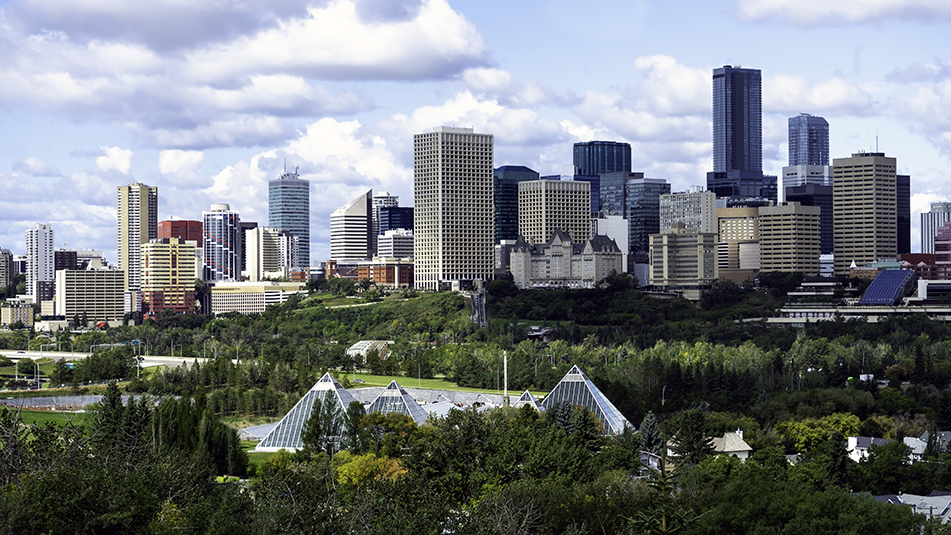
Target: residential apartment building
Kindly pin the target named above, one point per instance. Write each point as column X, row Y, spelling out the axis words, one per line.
column 695, row 208
column 168, row 276
column 40, row 263
column 453, row 220
column 96, row 294
column 270, row 253
column 930, row 222
column 683, row 260
column 222, row 242
column 136, row 223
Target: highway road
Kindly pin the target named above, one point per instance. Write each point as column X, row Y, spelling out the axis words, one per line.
column 147, row 361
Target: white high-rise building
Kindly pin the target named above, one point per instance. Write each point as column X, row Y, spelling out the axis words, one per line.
column 454, row 214
column 695, row 208
column 39, row 262
column 136, row 223
column 930, row 222
column 382, row 199
column 351, row 230
column 270, row 253
column 222, row 243
column 548, row 205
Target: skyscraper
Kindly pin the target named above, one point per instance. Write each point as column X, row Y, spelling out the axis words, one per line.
column 381, row 200
column 288, row 208
column 137, row 223
column 545, row 206
column 40, row 262
column 903, row 214
column 222, row 243
column 269, row 253
column 696, row 209
column 592, row 158
column 505, row 199
column 351, row 230
column 930, row 222
column 808, row 140
column 864, row 209
column 737, row 119
column 453, row 220
column 642, row 210
column 168, row 276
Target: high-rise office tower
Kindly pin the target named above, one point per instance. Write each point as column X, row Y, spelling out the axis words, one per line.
column 545, row 206
column 642, row 210
column 137, row 223
column 168, row 276
column 453, row 220
column 182, row 229
column 351, row 230
column 270, row 253
column 592, row 158
column 808, row 140
column 789, row 238
column 737, row 119
column 696, row 209
column 65, row 259
column 6, row 268
column 396, row 217
column 222, row 243
column 930, row 222
column 40, row 272
column 288, row 208
column 505, row 199
column 819, row 195
column 381, row 200
column 903, row 207
column 864, row 209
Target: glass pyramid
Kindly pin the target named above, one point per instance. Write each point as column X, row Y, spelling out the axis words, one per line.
column 286, row 434
column 577, row 389
column 526, row 399
column 394, row 399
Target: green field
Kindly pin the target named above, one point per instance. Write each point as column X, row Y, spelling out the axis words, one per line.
column 58, row 418
column 412, row 382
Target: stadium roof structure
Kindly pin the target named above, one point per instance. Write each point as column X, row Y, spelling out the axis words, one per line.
column 287, row 433
column 577, row 389
column 394, row 398
column 887, row 288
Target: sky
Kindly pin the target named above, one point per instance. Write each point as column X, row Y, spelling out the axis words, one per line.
column 208, row 100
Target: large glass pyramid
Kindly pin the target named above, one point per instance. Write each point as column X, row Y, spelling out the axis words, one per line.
column 526, row 399
column 577, row 389
column 286, row 434
column 394, row 399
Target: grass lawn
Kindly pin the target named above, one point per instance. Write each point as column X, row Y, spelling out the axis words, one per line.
column 427, row 384
column 58, row 418
column 256, row 457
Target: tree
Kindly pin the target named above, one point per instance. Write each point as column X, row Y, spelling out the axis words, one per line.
column 651, row 441
column 355, row 436
column 322, row 430
column 691, row 444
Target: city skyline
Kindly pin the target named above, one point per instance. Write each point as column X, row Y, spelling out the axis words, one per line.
column 96, row 97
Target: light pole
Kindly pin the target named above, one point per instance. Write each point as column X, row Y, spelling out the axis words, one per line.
column 36, row 374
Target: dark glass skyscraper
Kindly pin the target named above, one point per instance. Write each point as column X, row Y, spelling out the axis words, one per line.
column 593, row 158
column 395, row 217
column 737, row 119
column 903, row 202
column 808, row 140
column 505, row 199
column 288, row 208
column 643, row 210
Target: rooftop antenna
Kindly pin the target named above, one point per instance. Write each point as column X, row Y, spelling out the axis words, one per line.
column 285, row 165
column 876, row 140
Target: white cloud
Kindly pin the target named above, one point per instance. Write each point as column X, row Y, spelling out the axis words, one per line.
column 115, row 158
column 835, row 96
column 671, row 88
column 35, row 167
column 928, row 110
column 499, row 84
column 810, row 13
column 173, row 161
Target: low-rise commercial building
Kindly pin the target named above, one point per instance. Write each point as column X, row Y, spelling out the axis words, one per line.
column 251, row 297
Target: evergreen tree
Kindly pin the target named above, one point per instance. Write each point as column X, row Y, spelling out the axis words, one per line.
column 692, row 444
column 651, row 441
column 323, row 429
column 355, row 438
column 563, row 416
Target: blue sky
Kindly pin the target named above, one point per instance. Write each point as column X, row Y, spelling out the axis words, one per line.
column 206, row 100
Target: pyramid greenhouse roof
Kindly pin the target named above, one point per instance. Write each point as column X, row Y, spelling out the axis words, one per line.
column 577, row 389
column 287, row 433
column 394, row 398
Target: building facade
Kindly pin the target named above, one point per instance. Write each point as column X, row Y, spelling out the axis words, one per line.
column 270, row 253
column 222, row 243
column 695, row 208
column 351, row 230
column 454, row 224
column 683, row 260
column 563, row 263
column 40, row 262
column 819, row 196
column 547, row 205
column 168, row 276
column 789, row 236
column 182, row 229
column 251, row 297
column 381, row 200
column 136, row 223
column 808, row 140
column 592, row 158
column 11, row 313
column 903, row 206
column 930, row 222
column 642, row 210
column 736, row 227
column 396, row 217
column 94, row 294
column 6, row 268
column 864, row 210
column 396, row 244
column 505, row 199
column 737, row 119
column 288, row 208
